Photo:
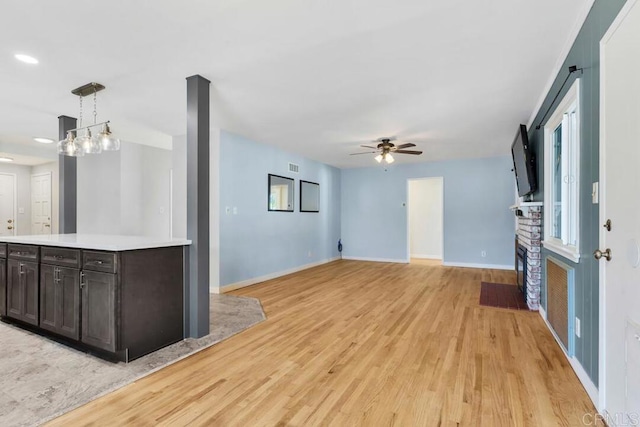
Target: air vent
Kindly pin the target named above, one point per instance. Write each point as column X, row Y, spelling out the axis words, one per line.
column 560, row 301
column 294, row 168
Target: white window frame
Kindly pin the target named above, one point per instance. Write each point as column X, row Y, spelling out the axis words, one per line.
column 571, row 177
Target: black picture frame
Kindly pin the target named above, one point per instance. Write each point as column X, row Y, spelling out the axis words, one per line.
column 309, row 196
column 274, row 201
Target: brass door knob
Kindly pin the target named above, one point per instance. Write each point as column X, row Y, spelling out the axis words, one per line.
column 10, row 221
column 9, row 228
column 597, row 254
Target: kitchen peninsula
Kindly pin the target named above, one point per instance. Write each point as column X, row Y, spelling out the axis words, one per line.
column 119, row 297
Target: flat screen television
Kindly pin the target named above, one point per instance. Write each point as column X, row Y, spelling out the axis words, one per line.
column 524, row 164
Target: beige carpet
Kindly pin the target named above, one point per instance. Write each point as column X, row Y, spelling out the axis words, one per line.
column 41, row 379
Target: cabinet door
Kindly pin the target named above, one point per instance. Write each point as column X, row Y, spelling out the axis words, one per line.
column 14, row 289
column 98, row 309
column 48, row 297
column 68, row 302
column 31, row 288
column 3, row 287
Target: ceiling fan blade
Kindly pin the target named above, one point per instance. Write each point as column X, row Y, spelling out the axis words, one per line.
column 368, row 146
column 366, row 152
column 408, row 152
column 407, row 145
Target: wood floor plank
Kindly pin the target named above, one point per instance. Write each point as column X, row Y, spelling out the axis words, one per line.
column 358, row 343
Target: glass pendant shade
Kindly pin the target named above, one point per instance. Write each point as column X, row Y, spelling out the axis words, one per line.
column 378, row 158
column 89, row 144
column 389, row 158
column 107, row 141
column 70, row 146
column 74, row 149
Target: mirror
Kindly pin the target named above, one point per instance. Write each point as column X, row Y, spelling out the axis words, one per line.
column 280, row 193
column 309, row 196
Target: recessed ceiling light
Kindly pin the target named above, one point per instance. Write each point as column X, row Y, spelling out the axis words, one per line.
column 6, row 159
column 43, row 140
column 26, row 58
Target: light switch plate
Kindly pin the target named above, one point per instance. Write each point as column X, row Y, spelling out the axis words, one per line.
column 594, row 193
column 577, row 327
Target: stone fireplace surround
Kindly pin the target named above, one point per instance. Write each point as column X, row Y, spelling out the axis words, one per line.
column 529, row 234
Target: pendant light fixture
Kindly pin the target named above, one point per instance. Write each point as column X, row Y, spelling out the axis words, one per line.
column 87, row 143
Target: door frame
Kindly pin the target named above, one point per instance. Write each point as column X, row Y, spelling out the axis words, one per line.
column 441, row 179
column 602, row 323
column 50, row 175
column 15, row 200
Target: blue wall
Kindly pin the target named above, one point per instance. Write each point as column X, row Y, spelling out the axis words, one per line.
column 255, row 242
column 585, row 53
column 477, row 196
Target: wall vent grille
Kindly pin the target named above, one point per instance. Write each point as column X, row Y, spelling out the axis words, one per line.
column 294, row 168
column 560, row 301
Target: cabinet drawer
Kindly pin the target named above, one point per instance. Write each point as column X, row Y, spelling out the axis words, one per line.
column 59, row 256
column 3, row 250
column 105, row 262
column 23, row 252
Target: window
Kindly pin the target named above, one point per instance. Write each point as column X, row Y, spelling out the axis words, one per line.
column 561, row 166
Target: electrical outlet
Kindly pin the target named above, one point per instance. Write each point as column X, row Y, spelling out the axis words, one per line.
column 483, row 254
column 578, row 327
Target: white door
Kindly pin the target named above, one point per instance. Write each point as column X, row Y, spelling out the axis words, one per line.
column 620, row 203
column 41, row 203
column 7, row 204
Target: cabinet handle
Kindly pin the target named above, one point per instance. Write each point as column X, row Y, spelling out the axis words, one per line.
column 82, row 279
column 21, row 268
column 56, row 274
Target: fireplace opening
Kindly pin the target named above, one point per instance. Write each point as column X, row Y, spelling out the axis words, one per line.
column 521, row 269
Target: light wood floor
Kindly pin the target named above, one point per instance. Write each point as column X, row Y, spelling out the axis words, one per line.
column 355, row 343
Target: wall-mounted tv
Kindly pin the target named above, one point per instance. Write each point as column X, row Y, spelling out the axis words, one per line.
column 524, row 164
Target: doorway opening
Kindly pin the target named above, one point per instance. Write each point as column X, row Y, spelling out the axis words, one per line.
column 425, row 220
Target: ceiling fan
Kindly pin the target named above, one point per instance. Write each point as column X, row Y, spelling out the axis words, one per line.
column 385, row 147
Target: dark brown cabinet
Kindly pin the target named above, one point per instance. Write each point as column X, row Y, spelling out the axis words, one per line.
column 60, row 300
column 116, row 304
column 99, row 309
column 22, row 290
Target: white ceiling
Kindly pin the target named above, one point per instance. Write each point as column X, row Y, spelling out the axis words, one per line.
column 314, row 77
column 22, row 160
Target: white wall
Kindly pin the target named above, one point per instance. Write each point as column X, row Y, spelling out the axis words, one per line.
column 426, row 218
column 125, row 192
column 23, row 196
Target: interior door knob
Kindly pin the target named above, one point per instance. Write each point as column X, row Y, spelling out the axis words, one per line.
column 9, row 227
column 597, row 254
column 10, row 221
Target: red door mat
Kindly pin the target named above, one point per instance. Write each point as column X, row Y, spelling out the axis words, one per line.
column 502, row 296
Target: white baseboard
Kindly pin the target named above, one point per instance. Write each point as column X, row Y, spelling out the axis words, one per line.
column 253, row 281
column 472, row 265
column 358, row 258
column 586, row 382
column 422, row 256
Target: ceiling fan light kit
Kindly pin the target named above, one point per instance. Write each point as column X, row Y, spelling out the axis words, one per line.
column 385, row 147
column 78, row 146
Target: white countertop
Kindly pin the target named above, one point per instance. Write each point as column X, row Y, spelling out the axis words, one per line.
column 96, row 241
